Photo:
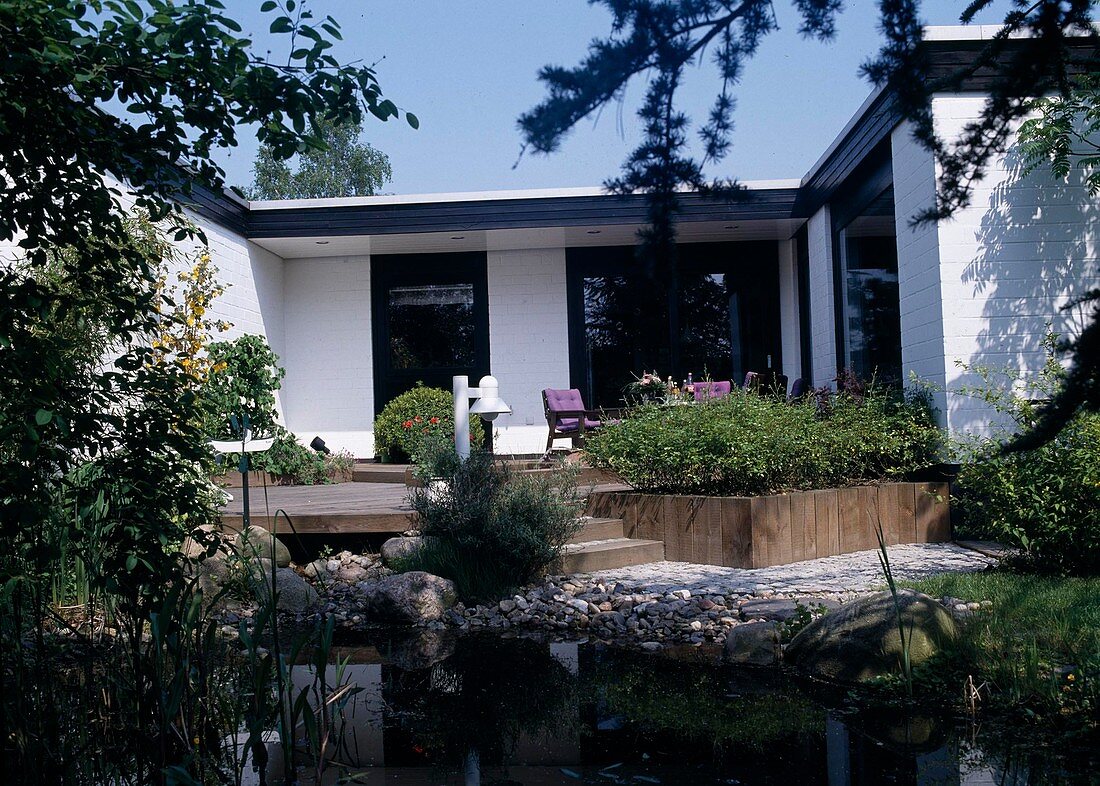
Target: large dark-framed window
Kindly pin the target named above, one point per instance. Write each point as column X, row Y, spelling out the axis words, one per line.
column 870, row 303
column 429, row 321
column 717, row 315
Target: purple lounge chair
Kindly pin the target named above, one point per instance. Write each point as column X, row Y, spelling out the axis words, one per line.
column 705, row 391
column 799, row 389
column 568, row 418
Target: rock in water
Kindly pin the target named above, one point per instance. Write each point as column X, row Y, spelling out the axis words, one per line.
column 860, row 640
column 397, row 549
column 257, row 542
column 753, row 644
column 411, row 597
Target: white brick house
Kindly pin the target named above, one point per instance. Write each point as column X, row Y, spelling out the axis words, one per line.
column 540, row 287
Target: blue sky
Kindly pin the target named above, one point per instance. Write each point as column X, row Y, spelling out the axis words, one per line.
column 468, row 68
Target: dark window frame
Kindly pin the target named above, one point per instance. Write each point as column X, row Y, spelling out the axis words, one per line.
column 389, row 270
column 586, row 262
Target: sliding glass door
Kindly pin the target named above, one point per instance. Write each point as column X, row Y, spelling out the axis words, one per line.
column 716, row 315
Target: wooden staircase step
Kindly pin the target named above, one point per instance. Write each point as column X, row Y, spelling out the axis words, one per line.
column 608, row 554
column 599, row 529
column 378, row 473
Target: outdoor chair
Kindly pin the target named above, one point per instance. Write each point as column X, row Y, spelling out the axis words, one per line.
column 568, row 418
column 778, row 386
column 711, row 390
column 799, row 389
column 752, row 382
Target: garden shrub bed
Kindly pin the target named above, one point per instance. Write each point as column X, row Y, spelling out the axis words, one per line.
column 758, row 531
column 746, row 444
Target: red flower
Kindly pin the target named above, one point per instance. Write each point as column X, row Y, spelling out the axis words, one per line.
column 434, row 421
column 407, row 424
column 417, row 419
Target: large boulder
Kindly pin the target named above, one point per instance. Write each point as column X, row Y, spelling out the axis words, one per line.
column 753, row 644
column 396, row 550
column 197, row 545
column 256, row 542
column 410, row 597
column 860, row 640
column 293, row 594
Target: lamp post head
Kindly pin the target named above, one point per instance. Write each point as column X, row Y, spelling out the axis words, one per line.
column 489, row 405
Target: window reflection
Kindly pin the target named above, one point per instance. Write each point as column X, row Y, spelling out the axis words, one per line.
column 431, row 326
column 872, row 313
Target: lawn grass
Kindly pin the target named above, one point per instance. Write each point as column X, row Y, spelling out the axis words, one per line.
column 1038, row 648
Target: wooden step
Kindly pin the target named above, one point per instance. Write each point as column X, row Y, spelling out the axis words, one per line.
column 599, row 529
column 378, row 473
column 608, row 554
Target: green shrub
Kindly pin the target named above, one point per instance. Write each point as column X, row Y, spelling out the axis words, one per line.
column 746, row 444
column 244, row 376
column 403, row 424
column 494, row 530
column 1044, row 501
column 294, row 464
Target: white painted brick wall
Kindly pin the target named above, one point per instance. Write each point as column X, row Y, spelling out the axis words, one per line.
column 528, row 340
column 822, row 321
column 253, row 299
column 1005, row 265
column 919, row 288
column 788, row 310
column 329, row 390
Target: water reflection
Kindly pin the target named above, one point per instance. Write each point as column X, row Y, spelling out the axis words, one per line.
column 435, row 709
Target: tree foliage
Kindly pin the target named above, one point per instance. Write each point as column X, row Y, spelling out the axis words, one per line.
column 1063, row 135
column 344, row 167
column 1042, row 48
column 107, row 106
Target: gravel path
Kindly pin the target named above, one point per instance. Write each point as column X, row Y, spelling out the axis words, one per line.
column 842, row 574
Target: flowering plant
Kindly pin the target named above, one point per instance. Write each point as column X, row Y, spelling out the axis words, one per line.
column 648, row 387
column 415, row 417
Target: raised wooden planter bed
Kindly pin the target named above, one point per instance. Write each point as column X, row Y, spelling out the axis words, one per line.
column 755, row 532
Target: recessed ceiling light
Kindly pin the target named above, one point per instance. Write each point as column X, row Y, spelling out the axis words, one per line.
column 321, row 242
column 458, row 237
column 594, row 231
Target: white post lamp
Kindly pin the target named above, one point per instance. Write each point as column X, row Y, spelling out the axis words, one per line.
column 488, row 406
column 244, row 446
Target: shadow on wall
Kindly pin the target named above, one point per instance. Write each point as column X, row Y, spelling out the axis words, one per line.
column 1037, row 250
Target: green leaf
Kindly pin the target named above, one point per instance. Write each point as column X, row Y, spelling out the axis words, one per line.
column 267, row 6
column 412, row 120
column 131, row 562
column 42, row 417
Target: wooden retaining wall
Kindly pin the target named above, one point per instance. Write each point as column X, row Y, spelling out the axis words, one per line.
column 754, row 532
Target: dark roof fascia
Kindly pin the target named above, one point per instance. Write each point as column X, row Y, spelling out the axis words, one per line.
column 945, row 58
column 524, row 213
column 219, row 207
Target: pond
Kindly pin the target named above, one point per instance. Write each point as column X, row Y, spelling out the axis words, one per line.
column 434, row 708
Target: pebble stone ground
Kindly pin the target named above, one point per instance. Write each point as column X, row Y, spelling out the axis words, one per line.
column 840, row 575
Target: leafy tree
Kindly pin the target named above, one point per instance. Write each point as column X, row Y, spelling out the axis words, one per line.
column 245, row 377
column 344, row 167
column 1039, row 50
column 98, row 98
